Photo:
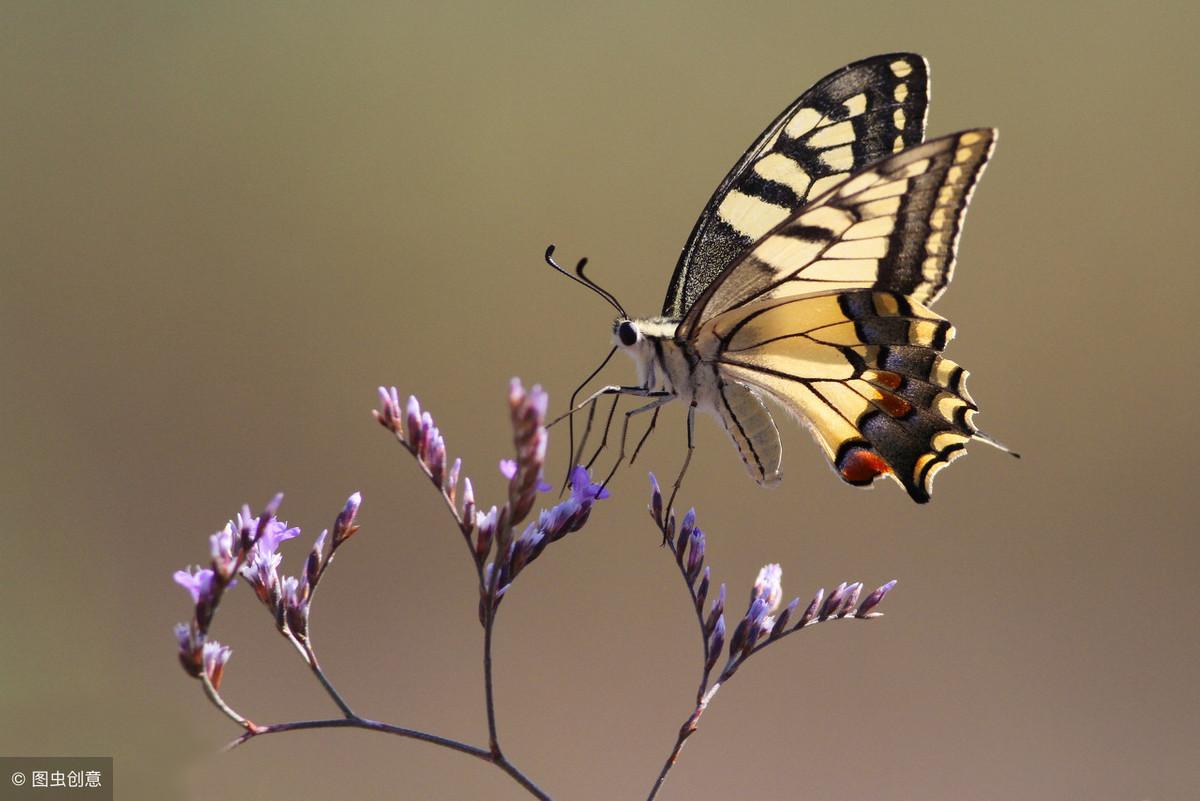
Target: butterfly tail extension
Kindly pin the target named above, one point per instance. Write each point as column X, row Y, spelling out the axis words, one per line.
column 750, row 425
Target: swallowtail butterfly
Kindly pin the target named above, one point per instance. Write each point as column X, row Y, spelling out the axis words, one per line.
column 808, row 279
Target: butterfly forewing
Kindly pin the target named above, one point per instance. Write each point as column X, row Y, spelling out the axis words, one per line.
column 849, row 119
column 825, row 315
column 892, row 226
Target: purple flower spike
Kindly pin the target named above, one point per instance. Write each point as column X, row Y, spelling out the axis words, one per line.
column 528, row 415
column 872, row 600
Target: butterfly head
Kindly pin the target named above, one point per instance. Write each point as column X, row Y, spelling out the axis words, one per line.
column 626, row 334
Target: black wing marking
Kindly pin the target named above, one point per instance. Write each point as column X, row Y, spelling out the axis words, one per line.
column 849, row 119
column 893, row 226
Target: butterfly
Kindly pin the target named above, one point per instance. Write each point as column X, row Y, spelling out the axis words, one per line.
column 808, row 281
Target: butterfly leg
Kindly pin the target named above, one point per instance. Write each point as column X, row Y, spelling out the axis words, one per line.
column 646, row 436
column 577, row 453
column 612, row 410
column 653, row 405
column 611, row 389
column 691, row 420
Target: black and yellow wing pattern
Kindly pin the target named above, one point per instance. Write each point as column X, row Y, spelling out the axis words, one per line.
column 850, row 119
column 827, row 314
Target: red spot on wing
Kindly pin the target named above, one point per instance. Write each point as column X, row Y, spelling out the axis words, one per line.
column 862, row 466
column 885, row 378
column 894, row 405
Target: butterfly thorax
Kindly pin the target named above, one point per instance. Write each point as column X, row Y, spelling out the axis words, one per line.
column 661, row 357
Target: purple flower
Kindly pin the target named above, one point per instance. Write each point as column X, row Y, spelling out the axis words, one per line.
column 769, row 586
column 508, row 468
column 190, row 643
column 198, row 582
column 864, row 609
column 215, row 657
column 656, row 501
column 224, row 546
column 262, row 572
column 584, row 489
column 274, row 533
column 343, row 526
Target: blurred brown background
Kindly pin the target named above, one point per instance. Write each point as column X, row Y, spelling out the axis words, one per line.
column 225, row 224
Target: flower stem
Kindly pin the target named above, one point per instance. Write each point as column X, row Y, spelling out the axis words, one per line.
column 489, row 626
column 685, row 731
column 386, row 728
column 329, row 688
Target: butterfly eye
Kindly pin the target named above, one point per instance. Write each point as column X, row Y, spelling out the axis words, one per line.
column 627, row 333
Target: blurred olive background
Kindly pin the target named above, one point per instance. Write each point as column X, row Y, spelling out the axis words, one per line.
column 225, row 224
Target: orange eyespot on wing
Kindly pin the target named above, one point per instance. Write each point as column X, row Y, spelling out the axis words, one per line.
column 860, row 466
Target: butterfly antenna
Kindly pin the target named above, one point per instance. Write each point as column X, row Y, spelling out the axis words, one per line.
column 582, row 278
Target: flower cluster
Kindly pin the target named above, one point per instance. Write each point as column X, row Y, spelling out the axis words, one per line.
column 498, row 553
column 762, row 623
column 249, row 546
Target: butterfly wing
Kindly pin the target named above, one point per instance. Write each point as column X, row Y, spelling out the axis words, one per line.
column 849, row 119
column 893, row 226
column 750, row 425
column 825, row 316
column 863, row 370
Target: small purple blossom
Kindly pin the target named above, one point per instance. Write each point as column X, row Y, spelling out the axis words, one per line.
column 225, row 547
column 262, row 572
column 343, row 526
column 274, row 532
column 214, row 658
column 198, row 581
column 191, row 643
column 872, row 600
column 769, row 586
column 584, row 489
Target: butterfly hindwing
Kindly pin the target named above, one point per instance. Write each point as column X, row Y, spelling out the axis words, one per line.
column 750, row 425
column 893, row 226
column 863, row 370
column 849, row 119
